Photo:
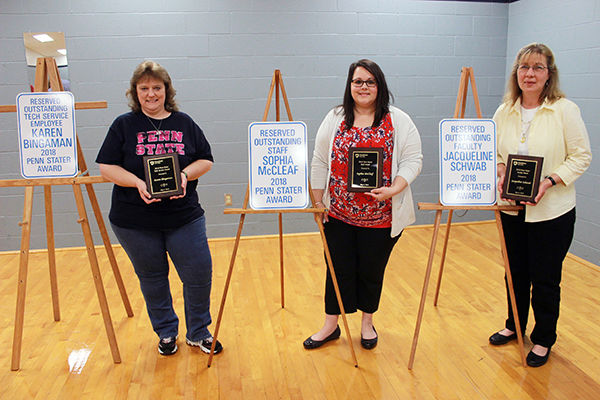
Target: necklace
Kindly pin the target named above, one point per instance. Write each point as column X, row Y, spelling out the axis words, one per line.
column 526, row 119
column 524, row 135
column 154, row 126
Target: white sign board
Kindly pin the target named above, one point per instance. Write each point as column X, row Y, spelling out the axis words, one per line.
column 467, row 162
column 47, row 144
column 278, row 165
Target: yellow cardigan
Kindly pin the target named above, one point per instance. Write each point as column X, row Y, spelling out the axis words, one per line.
column 558, row 134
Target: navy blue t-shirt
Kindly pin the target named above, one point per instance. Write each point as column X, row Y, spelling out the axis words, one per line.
column 131, row 137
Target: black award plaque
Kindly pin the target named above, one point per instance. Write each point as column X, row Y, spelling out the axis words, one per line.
column 522, row 179
column 163, row 176
column 365, row 169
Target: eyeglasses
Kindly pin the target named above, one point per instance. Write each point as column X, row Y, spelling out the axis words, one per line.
column 538, row 69
column 359, row 83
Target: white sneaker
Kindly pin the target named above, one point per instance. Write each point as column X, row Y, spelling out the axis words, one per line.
column 205, row 345
column 167, row 346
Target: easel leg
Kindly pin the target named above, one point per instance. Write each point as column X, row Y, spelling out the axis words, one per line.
column 511, row 291
column 51, row 252
column 109, row 250
column 281, row 259
column 462, row 92
column 89, row 243
column 337, row 290
column 22, row 283
column 226, row 288
column 436, row 228
column 439, row 281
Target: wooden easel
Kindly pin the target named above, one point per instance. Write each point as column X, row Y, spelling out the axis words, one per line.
column 459, row 112
column 47, row 73
column 277, row 86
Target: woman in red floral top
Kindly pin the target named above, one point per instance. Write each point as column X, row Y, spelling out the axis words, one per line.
column 362, row 227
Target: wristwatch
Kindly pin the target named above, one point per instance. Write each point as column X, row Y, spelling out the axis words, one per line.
column 551, row 180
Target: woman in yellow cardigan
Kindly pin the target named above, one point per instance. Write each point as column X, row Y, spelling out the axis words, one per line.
column 536, row 119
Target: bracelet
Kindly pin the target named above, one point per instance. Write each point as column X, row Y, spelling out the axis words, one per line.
column 185, row 173
column 551, row 180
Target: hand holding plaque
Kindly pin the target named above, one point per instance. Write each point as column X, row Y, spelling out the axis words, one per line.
column 522, row 178
column 163, row 176
column 365, row 169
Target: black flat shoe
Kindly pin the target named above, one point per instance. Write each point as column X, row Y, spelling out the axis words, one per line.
column 497, row 339
column 310, row 343
column 533, row 360
column 369, row 343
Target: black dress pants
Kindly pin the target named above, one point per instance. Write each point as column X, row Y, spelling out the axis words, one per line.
column 359, row 257
column 536, row 251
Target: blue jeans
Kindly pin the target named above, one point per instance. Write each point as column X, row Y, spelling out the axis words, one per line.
column 188, row 249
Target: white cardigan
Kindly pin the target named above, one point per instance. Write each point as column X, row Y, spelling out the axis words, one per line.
column 407, row 161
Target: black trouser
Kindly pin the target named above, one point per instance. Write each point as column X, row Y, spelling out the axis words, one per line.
column 536, row 251
column 359, row 257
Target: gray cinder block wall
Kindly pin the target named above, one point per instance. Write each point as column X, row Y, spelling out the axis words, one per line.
column 572, row 30
column 221, row 55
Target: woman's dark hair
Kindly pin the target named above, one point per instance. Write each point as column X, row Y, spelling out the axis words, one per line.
column 151, row 69
column 382, row 102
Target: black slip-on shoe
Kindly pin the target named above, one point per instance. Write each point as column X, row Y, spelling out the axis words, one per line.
column 369, row 343
column 310, row 343
column 533, row 360
column 497, row 339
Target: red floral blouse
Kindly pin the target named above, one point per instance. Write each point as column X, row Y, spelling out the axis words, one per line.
column 357, row 208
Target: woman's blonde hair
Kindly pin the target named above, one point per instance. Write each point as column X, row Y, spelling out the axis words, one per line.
column 551, row 91
column 151, row 69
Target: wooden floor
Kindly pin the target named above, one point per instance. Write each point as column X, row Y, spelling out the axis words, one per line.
column 264, row 357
